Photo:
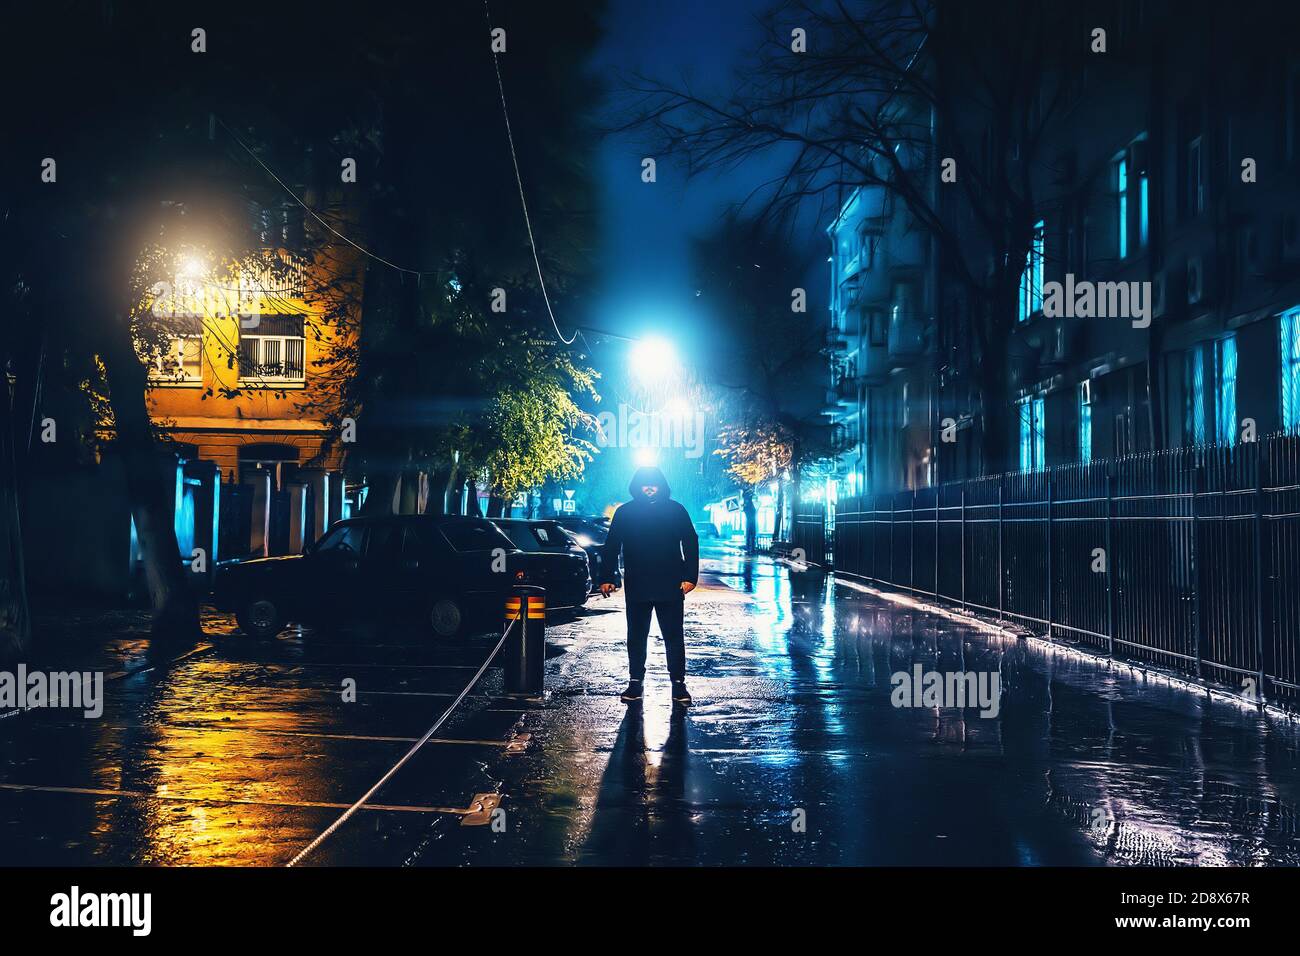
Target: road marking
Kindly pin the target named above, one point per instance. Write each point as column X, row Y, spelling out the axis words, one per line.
column 275, row 732
column 241, row 801
column 237, row 662
column 118, row 675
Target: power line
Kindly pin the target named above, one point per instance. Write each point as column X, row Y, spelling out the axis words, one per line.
column 270, row 172
column 496, row 65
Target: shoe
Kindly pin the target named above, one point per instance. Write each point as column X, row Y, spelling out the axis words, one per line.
column 681, row 695
column 632, row 693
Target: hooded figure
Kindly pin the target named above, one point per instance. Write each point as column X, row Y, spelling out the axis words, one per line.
column 661, row 564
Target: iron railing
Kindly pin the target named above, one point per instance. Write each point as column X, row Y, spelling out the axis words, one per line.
column 1188, row 559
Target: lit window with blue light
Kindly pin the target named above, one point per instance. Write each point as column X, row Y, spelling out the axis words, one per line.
column 1290, row 355
column 1225, row 391
column 1121, row 195
column 1033, row 434
column 1085, row 421
column 1144, row 222
column 1194, row 393
column 1031, row 280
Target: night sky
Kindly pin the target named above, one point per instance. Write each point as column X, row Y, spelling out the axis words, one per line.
column 647, row 280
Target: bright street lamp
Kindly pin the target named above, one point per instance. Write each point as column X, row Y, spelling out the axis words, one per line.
column 653, row 360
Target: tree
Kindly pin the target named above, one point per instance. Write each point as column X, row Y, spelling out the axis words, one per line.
column 437, row 368
column 119, row 191
column 746, row 271
column 222, row 125
column 885, row 91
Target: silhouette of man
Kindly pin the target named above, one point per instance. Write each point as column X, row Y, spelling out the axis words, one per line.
column 661, row 565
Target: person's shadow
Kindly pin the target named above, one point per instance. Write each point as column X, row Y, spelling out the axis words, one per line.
column 641, row 811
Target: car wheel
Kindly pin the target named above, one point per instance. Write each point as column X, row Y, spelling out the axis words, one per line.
column 446, row 617
column 260, row 617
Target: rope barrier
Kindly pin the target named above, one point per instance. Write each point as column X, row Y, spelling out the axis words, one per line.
column 347, row 814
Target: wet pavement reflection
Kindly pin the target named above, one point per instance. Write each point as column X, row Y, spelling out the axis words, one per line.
column 794, row 753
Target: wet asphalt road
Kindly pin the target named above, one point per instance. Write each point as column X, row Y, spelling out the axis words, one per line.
column 243, row 751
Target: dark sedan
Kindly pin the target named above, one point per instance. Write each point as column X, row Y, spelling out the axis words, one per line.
column 452, row 573
column 547, row 536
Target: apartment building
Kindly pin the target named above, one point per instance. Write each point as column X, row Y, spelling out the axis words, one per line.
column 1159, row 300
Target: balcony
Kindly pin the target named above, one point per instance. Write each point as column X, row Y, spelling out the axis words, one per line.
column 845, row 391
column 906, row 337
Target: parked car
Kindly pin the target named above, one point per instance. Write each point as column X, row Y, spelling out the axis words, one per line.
column 590, row 533
column 453, row 573
column 546, row 536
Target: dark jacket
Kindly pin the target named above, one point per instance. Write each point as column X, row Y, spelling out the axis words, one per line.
column 659, row 544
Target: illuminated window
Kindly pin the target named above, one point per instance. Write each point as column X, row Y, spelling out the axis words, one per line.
column 1144, row 221
column 1085, row 421
column 1031, row 280
column 181, row 360
column 1194, row 396
column 1121, row 196
column 274, row 351
column 1225, row 391
column 1290, row 353
column 1033, row 434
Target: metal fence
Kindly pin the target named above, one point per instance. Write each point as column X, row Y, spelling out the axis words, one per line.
column 1186, row 558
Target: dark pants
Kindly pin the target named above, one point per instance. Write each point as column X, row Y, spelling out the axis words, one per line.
column 669, row 614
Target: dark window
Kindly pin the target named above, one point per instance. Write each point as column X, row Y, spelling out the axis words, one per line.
column 343, row 539
column 879, row 327
column 1292, row 110
column 385, row 542
column 475, row 536
column 520, row 535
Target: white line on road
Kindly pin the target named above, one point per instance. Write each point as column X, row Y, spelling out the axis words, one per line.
column 298, row 804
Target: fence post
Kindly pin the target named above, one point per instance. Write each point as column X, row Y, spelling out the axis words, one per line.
column 1259, row 573
column 911, row 547
column 963, row 545
column 937, row 499
column 1198, row 474
column 1001, row 484
column 1110, row 559
column 893, row 578
column 1048, row 562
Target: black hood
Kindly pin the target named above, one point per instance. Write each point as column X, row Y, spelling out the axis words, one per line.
column 648, row 475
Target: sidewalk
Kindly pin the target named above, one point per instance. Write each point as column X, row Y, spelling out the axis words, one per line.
column 794, row 752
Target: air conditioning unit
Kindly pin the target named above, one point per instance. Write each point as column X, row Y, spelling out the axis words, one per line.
column 1060, row 344
column 1252, row 251
column 1160, row 293
column 1290, row 237
column 1199, row 279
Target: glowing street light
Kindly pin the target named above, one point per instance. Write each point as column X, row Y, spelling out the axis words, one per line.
column 677, row 408
column 653, row 360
